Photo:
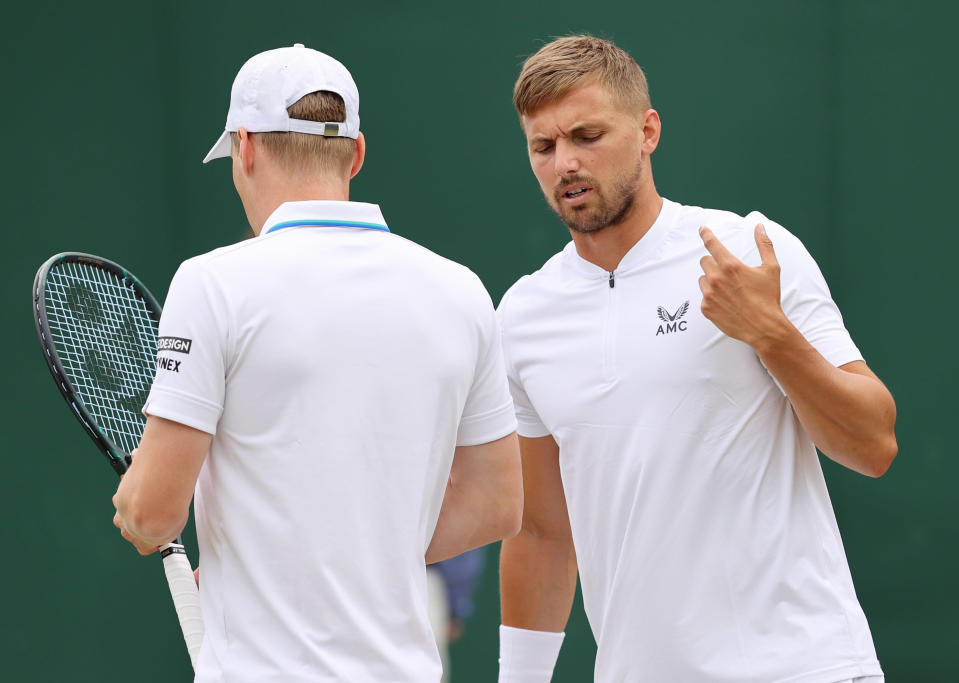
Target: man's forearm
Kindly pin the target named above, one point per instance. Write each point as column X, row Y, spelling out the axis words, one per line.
column 467, row 521
column 153, row 499
column 537, row 581
column 847, row 411
column 483, row 500
column 537, row 571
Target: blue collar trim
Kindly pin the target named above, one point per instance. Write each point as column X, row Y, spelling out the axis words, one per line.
column 328, row 224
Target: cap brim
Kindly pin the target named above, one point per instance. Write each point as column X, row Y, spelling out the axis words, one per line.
column 222, row 148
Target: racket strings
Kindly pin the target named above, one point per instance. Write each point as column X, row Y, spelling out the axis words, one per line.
column 106, row 339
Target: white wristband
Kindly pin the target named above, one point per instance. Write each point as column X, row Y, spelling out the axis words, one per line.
column 527, row 656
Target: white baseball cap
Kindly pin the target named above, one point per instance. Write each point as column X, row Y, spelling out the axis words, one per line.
column 273, row 80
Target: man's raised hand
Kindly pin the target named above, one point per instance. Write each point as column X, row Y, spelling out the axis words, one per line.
column 740, row 300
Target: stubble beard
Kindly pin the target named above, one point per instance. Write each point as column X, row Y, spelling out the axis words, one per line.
column 609, row 211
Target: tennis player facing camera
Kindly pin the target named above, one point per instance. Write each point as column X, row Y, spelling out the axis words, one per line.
column 337, row 400
column 673, row 370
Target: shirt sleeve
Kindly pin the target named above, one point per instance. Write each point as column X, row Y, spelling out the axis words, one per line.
column 806, row 299
column 488, row 413
column 804, row 295
column 191, row 352
column 528, row 421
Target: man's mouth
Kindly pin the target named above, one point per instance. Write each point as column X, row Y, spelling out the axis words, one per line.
column 575, row 194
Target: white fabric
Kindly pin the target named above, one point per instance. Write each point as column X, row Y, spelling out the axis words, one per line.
column 706, row 541
column 527, row 656
column 337, row 368
column 271, row 81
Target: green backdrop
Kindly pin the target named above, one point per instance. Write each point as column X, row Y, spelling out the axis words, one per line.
column 835, row 118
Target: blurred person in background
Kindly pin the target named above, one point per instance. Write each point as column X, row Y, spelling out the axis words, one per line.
column 452, row 584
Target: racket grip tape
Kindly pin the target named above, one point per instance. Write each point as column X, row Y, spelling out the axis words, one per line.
column 186, row 596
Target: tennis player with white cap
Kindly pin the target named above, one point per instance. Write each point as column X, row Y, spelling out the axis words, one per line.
column 338, row 402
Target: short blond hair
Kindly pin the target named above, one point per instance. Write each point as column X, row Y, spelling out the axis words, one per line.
column 305, row 153
column 568, row 62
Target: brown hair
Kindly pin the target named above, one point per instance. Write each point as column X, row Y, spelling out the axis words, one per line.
column 305, row 153
column 565, row 63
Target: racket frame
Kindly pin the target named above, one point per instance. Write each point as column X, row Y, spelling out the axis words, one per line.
column 176, row 565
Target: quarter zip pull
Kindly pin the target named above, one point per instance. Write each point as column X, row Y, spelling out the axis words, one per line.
column 612, row 280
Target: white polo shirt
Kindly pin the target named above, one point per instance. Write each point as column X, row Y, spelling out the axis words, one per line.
column 707, row 545
column 337, row 366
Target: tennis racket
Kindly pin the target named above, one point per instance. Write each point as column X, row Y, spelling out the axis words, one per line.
column 98, row 328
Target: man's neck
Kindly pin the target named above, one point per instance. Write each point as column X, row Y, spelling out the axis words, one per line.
column 607, row 247
column 270, row 201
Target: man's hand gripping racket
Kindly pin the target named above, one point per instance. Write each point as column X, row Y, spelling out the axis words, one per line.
column 98, row 328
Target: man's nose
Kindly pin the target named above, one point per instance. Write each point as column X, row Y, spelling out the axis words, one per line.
column 566, row 160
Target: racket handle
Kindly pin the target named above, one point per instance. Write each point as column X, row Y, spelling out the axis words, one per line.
column 186, row 596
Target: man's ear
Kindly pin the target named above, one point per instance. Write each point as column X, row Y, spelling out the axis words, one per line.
column 359, row 156
column 246, row 150
column 652, row 129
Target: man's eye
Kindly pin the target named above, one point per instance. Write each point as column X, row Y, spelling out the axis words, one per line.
column 542, row 149
column 590, row 138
